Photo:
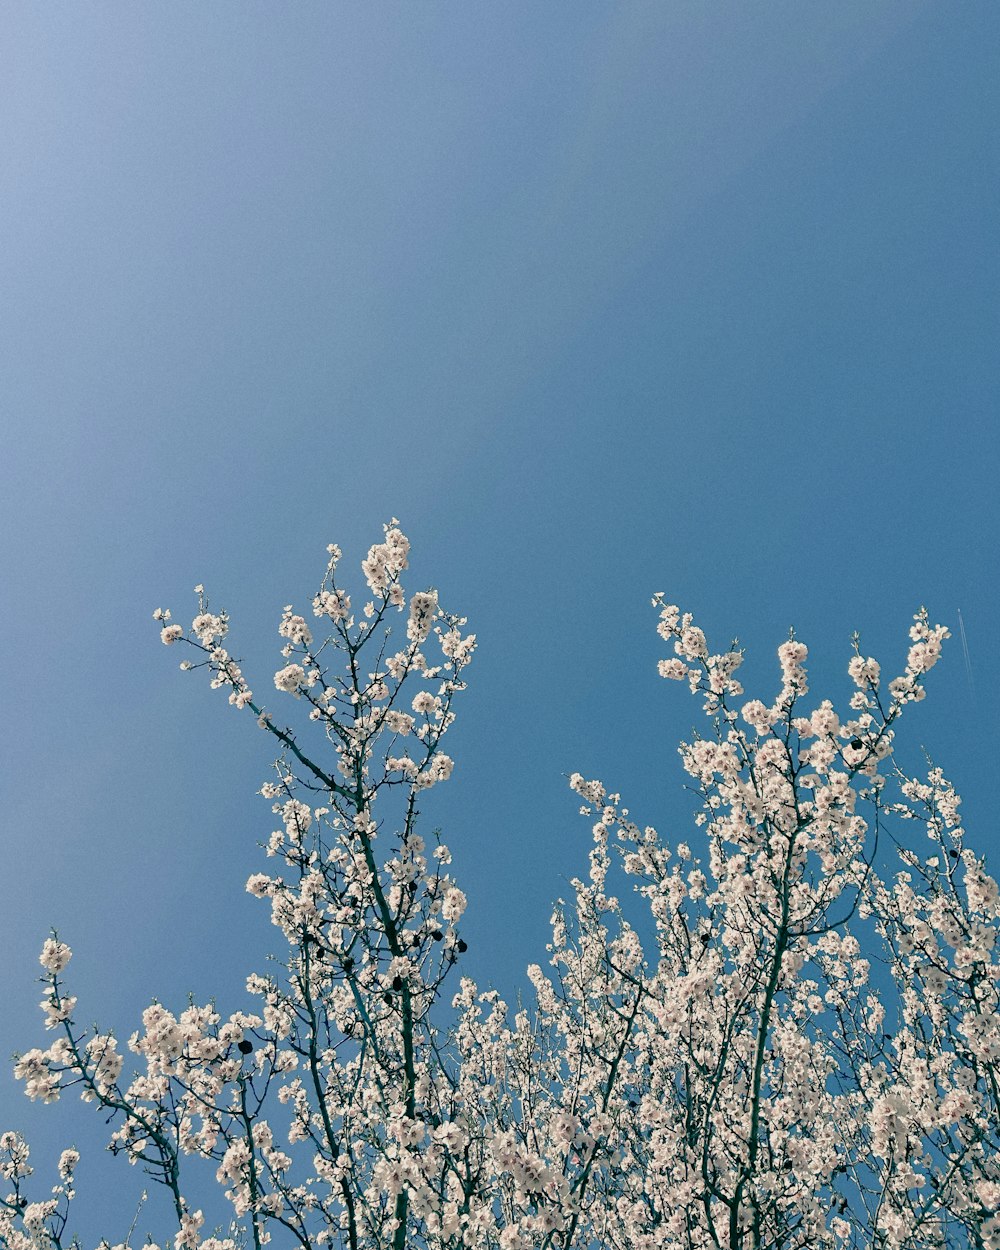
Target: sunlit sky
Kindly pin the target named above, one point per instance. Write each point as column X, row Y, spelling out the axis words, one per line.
column 599, row 299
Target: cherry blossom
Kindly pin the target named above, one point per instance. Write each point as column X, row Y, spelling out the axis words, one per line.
column 713, row 1055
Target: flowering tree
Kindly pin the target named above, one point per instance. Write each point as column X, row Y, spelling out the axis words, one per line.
column 742, row 1080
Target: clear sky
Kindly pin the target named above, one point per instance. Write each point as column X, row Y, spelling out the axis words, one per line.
column 600, row 299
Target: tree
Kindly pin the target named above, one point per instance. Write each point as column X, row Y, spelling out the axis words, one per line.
column 744, row 1081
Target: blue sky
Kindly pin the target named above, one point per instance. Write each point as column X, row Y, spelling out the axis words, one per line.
column 599, row 299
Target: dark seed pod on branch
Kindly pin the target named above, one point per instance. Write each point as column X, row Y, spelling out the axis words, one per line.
column 244, row 1046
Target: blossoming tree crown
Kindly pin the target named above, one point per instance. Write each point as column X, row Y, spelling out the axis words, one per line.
column 743, row 1080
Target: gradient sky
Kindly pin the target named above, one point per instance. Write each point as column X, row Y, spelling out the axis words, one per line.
column 600, row 299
